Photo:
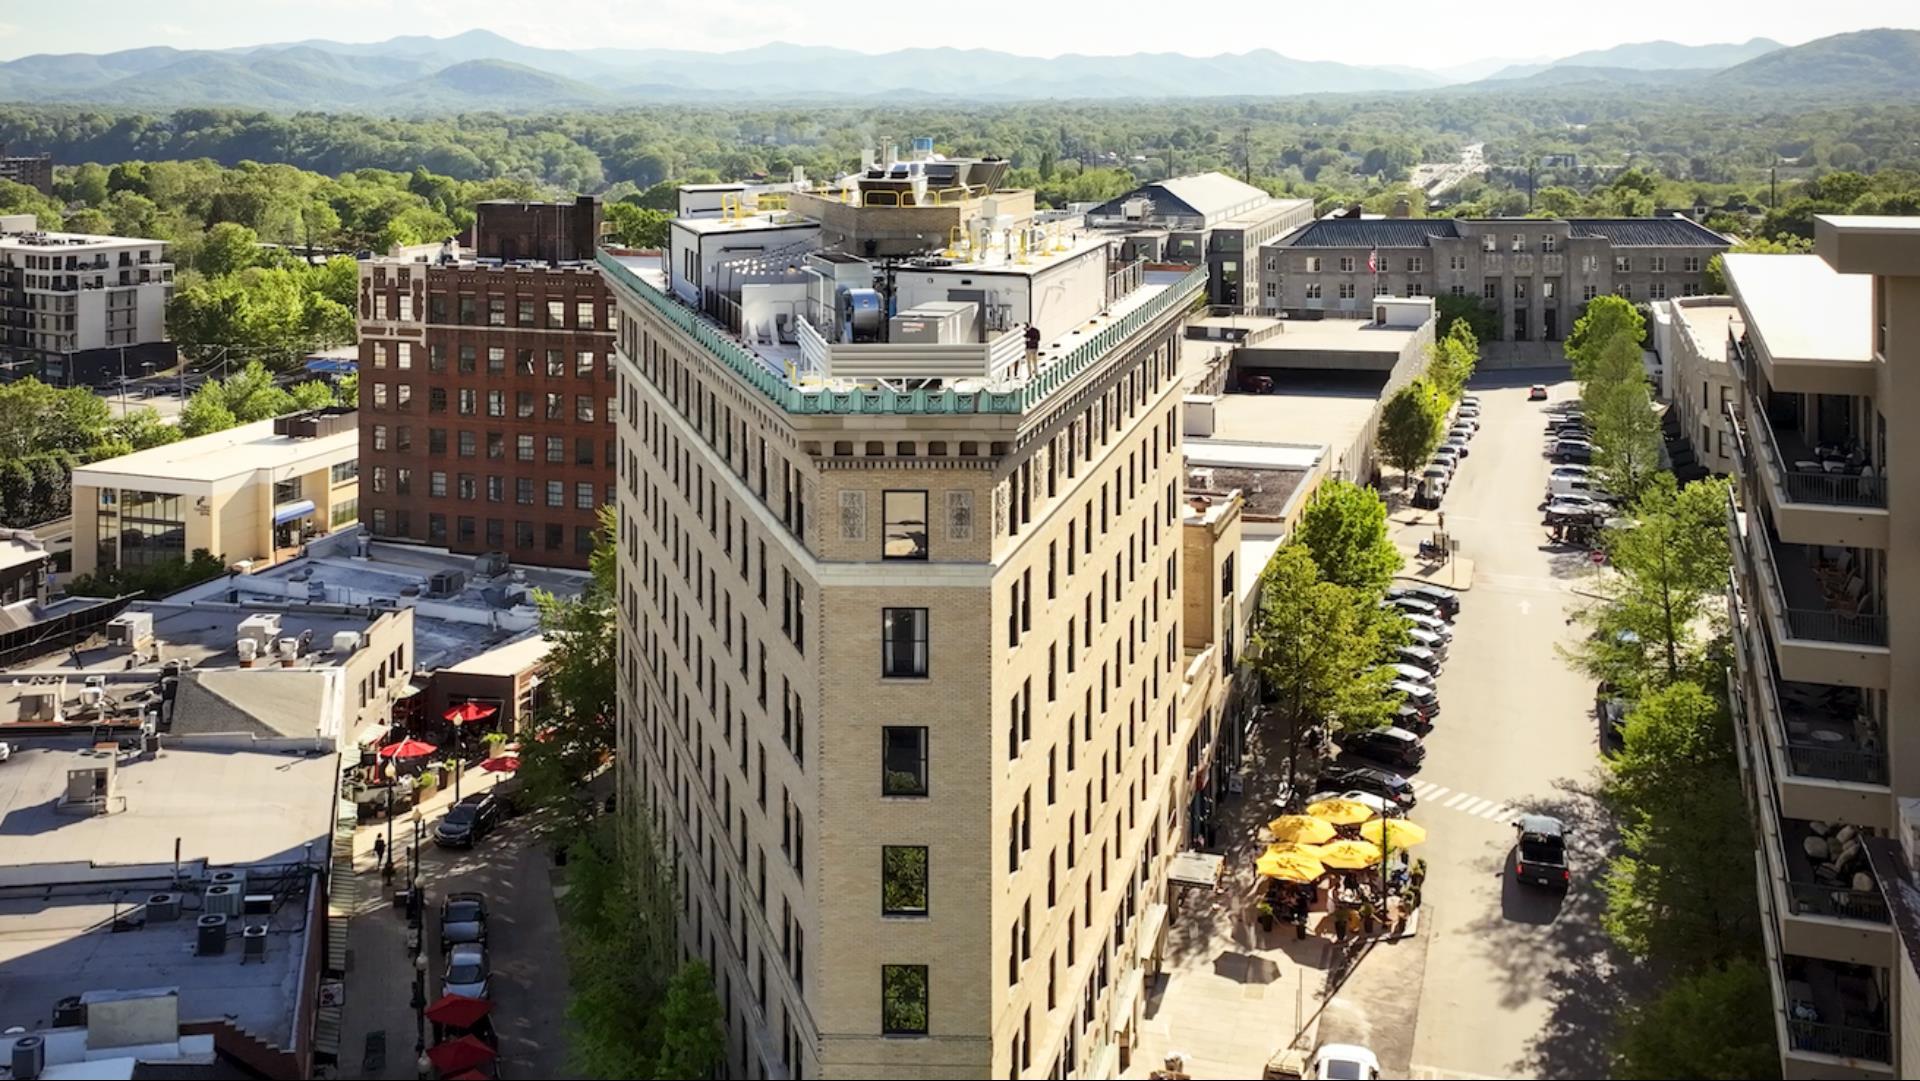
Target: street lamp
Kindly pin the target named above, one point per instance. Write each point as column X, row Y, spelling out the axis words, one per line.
column 386, row 869
column 420, row 1012
column 459, row 763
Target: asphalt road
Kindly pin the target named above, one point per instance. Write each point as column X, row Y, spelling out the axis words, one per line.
column 511, row 867
column 1517, row 981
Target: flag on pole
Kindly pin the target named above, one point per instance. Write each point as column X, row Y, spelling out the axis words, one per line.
column 1373, row 261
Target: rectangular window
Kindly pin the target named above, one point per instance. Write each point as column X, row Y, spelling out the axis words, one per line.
column 556, row 493
column 556, row 448
column 1346, row 290
column 1313, row 290
column 583, row 364
column 583, row 314
column 1312, row 264
column 437, row 483
column 1415, row 264
column 466, row 360
column 556, row 314
column 903, row 766
column 522, row 446
column 903, row 880
column 468, row 447
column 903, row 643
column 1623, row 264
column 904, row 516
column 1657, row 264
column 496, row 311
column 583, row 495
column 583, row 408
column 496, row 360
column 1690, row 264
column 1346, row 264
column 496, row 403
column 903, row 1000
column 523, row 490
column 1588, row 292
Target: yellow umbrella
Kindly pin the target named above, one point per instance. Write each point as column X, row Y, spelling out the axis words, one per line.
column 1400, row 832
column 1294, row 863
column 1349, row 855
column 1341, row 811
column 1304, row 829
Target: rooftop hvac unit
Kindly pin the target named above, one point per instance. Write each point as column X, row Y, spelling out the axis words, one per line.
column 69, row 1012
column 29, row 1058
column 163, row 908
column 287, row 649
column 253, row 942
column 229, row 876
column 247, row 649
column 446, row 583
column 130, row 630
column 257, row 904
column 42, row 702
column 261, row 627
column 1200, row 478
column 490, row 565
column 222, row 900
column 210, row 938
column 346, row 641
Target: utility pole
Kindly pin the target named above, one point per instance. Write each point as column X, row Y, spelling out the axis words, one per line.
column 1246, row 152
column 1773, row 185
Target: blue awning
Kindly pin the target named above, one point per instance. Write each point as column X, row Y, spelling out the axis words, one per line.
column 332, row 365
column 287, row 512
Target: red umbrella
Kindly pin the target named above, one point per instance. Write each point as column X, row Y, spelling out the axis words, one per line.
column 464, row 1053
column 469, row 1075
column 459, row 1011
column 408, row 748
column 505, row 763
column 467, row 712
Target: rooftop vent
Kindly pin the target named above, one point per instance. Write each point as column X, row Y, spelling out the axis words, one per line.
column 211, row 935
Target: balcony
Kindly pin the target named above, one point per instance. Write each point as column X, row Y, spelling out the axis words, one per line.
column 1824, row 755
column 1831, row 1018
column 1826, row 625
column 1820, row 494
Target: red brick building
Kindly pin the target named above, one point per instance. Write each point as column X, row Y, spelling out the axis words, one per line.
column 487, row 389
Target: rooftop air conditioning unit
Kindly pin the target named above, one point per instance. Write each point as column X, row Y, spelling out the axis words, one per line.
column 29, row 1058
column 222, row 900
column 210, row 939
column 253, row 943
column 229, row 876
column 163, row 908
column 345, row 642
column 1200, row 478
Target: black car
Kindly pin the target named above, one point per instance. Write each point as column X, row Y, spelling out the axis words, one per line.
column 1540, row 854
column 1394, row 745
column 1572, row 450
column 469, row 820
column 1446, row 600
column 463, row 918
column 1381, row 782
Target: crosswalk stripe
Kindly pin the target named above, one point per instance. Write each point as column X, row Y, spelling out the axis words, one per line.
column 1498, row 813
column 1457, row 797
column 1476, row 805
column 1432, row 791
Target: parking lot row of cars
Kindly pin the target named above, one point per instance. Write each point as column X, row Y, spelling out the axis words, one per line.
column 1453, row 448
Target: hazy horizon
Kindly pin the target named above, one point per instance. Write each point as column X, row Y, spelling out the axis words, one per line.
column 1398, row 33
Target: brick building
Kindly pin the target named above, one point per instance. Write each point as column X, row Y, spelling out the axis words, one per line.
column 33, row 170
column 486, row 380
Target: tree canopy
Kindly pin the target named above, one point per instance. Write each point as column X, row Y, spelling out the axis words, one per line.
column 1344, row 529
column 1411, row 425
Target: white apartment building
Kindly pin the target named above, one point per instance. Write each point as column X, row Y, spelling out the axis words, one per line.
column 81, row 308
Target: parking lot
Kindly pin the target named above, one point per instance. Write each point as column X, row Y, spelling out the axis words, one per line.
column 512, row 868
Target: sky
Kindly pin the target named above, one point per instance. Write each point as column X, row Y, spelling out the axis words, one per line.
column 1415, row 33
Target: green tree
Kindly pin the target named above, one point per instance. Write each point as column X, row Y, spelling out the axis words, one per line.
column 1685, row 835
column 313, row 394
column 142, row 428
column 1317, row 645
column 691, row 1028
column 1451, row 360
column 637, row 226
column 205, row 413
column 1650, row 624
column 1619, row 410
column 1482, row 320
column 1411, row 425
column 1344, row 529
column 1717, row 1022
column 1606, row 318
column 617, row 921
column 228, row 249
column 581, row 682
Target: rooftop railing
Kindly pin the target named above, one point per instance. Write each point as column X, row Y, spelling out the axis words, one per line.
column 1810, row 486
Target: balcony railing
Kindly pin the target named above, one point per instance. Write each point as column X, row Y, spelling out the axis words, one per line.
column 1854, row 629
column 1842, row 1041
column 1810, row 486
column 1814, row 899
column 1837, row 764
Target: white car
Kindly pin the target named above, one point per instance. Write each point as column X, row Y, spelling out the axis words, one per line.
column 1447, row 454
column 1413, row 673
column 1430, row 624
column 1565, row 486
column 6, row 750
column 1470, row 399
column 468, row 974
column 1380, row 805
column 1571, row 470
column 1345, row 1062
column 1428, row 640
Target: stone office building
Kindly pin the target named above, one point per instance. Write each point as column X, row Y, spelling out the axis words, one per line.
column 1538, row 273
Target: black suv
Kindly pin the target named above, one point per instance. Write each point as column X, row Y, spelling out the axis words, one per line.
column 469, row 820
column 1540, row 852
column 463, row 918
column 1381, row 782
column 1390, row 744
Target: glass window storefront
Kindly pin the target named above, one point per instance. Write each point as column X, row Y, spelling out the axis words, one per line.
column 139, row 529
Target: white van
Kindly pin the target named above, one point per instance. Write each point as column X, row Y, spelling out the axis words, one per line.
column 1569, row 485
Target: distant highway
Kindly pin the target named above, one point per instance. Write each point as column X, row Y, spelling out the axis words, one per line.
column 1436, row 178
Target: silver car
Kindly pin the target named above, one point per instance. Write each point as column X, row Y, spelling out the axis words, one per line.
column 468, row 973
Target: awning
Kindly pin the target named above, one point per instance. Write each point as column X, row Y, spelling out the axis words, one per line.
column 332, row 365
column 410, row 688
column 1195, row 869
column 1153, row 924
column 1106, row 1063
column 372, row 734
column 1125, row 1005
column 287, row 512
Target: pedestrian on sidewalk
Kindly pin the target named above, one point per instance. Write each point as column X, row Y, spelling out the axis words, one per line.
column 379, row 852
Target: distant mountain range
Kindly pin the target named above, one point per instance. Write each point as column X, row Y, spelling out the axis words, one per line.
column 482, row 70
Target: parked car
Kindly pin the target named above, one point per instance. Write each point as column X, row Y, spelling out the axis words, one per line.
column 6, row 750
column 1569, row 450
column 1446, row 454
column 1586, row 500
column 1466, row 410
column 1381, row 782
column 1421, row 695
column 1458, row 444
column 1470, row 399
column 1470, row 423
column 1445, row 599
column 1571, row 470
column 1574, row 485
column 1410, row 717
column 1432, row 487
column 1396, row 746
column 469, row 820
column 468, row 973
column 1420, row 657
column 1381, row 805
column 1345, row 1061
column 1537, row 392
column 1411, row 673
column 463, row 918
column 1540, row 852
column 1432, row 624
column 1428, row 640
column 1610, row 708
column 1412, row 606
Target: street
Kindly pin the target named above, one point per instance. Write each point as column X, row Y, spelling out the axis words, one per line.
column 512, row 866
column 1517, row 982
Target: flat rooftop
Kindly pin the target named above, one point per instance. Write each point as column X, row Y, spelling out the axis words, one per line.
column 1708, row 324
column 50, row 242
column 220, row 456
column 1313, row 413
column 1339, row 335
column 224, row 806
column 1798, row 308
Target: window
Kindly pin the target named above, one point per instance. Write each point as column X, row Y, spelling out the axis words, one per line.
column 1519, row 242
column 436, row 399
column 523, row 490
column 1520, row 288
column 1588, row 292
column 904, row 516
column 556, row 314
column 1346, row 264
column 496, row 403
column 556, row 362
column 466, row 308
column 903, row 761
column 1625, row 291
column 1657, row 291
column 496, row 311
column 1415, row 289
column 1346, row 290
column 583, row 364
column 583, row 314
column 436, row 483
column 556, row 493
column 379, row 437
column 1549, row 242
column 379, row 395
column 496, row 360
column 1313, row 290
column 1457, row 290
column 1490, row 289
column 1456, row 262
column 1489, row 242
column 556, row 448
column 1272, row 288
column 1623, row 264
column 903, row 1000
column 1312, row 265
column 465, row 486
column 583, row 495
column 903, row 880
column 1690, row 264
column 466, row 360
column 523, row 315
column 496, row 445
column 1415, row 264
column 467, row 445
column 1657, row 264
column 436, row 357
column 403, row 354
column 903, row 643
column 522, row 447
column 583, row 408
column 496, row 488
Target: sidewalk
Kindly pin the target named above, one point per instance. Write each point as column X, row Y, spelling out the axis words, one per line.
column 473, row 780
